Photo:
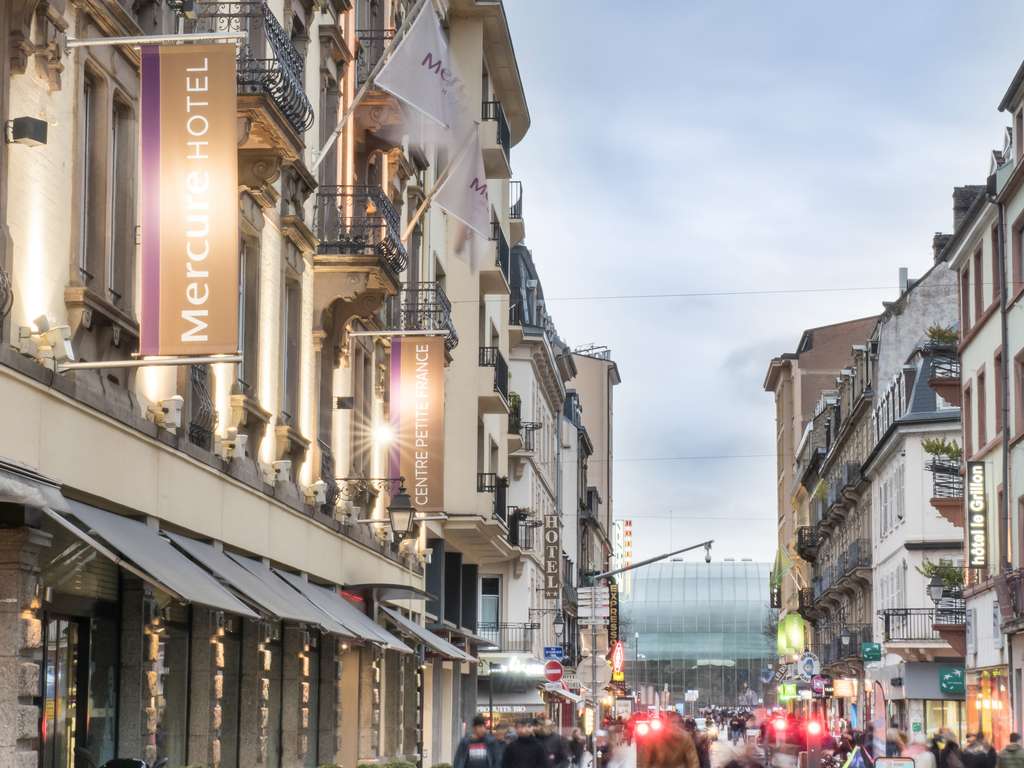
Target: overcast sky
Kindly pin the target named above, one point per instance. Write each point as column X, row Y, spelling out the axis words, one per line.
column 681, row 146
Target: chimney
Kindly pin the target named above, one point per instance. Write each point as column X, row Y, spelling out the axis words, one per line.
column 963, row 199
column 939, row 241
column 904, row 280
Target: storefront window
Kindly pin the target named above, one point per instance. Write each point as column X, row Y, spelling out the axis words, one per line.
column 232, row 691
column 988, row 704
column 172, row 730
column 944, row 715
column 60, row 698
column 101, row 712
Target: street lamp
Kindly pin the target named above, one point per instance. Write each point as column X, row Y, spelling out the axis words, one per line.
column 559, row 626
column 936, row 588
column 401, row 512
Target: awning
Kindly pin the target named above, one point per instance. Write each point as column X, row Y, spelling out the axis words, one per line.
column 152, row 555
column 392, row 591
column 287, row 606
column 22, row 485
column 447, row 626
column 342, row 610
column 428, row 638
column 557, row 689
column 273, row 599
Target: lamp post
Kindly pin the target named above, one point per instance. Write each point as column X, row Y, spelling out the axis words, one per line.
column 596, row 580
column 401, row 512
column 936, row 588
column 636, row 664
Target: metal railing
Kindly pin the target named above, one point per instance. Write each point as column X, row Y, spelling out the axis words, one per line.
column 807, row 539
column 515, row 314
column 268, row 61
column 202, row 416
column 805, row 599
column 487, row 482
column 508, row 636
column 901, row 625
column 857, row 555
column 529, row 428
column 491, row 357
column 520, row 528
column 426, row 307
column 6, row 293
column 947, row 482
column 372, row 44
column 515, row 194
column 945, row 367
column 492, row 110
column 502, row 253
column 359, row 220
column 515, row 419
column 849, row 475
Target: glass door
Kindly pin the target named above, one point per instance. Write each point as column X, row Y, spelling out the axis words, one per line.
column 60, row 718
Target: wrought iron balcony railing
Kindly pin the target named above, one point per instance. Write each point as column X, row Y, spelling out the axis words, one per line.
column 805, row 599
column 515, row 416
column 515, row 193
column 508, row 636
column 807, row 542
column 268, row 61
column 327, row 474
column 529, row 429
column 491, row 357
column 426, row 307
column 945, row 366
column 6, row 294
column 502, row 253
column 520, row 528
column 947, row 482
column 489, row 482
column 372, row 44
column 492, row 110
column 361, row 221
column 857, row 555
column 907, row 625
column 202, row 416
column 515, row 314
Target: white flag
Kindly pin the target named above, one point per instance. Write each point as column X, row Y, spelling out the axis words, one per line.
column 420, row 71
column 464, row 193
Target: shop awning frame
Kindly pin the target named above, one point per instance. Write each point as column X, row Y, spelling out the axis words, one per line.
column 23, row 485
column 141, row 550
column 385, row 591
column 434, row 642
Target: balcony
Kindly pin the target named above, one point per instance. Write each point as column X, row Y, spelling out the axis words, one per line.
column 495, row 140
column 6, row 293
column 807, row 542
column 327, row 473
column 372, row 44
column 945, row 374
column 856, row 561
column 359, row 221
column 516, row 225
column 483, row 535
column 515, row 422
column 947, row 489
column 520, row 529
column 1010, row 594
column 493, row 393
column 508, row 637
column 923, row 634
column 378, row 109
column 494, row 277
column 426, row 307
column 850, row 479
column 270, row 67
column 529, row 430
column 805, row 603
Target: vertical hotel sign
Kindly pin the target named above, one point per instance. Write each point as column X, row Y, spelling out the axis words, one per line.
column 189, row 200
column 552, row 556
column 977, row 515
column 417, row 419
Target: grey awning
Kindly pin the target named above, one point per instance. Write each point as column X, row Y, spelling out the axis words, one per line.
column 341, row 609
column 384, row 591
column 286, row 606
column 22, row 485
column 271, row 599
column 428, row 638
column 153, row 555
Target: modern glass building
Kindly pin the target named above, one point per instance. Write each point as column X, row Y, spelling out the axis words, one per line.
column 700, row 627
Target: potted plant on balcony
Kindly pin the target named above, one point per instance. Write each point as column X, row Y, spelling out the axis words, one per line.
column 943, row 337
column 942, row 448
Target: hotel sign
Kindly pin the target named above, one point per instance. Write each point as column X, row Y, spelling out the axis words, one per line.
column 417, row 419
column 189, row 200
column 977, row 515
column 552, row 556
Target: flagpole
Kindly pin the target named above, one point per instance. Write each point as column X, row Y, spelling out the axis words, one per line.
column 365, row 87
column 438, row 184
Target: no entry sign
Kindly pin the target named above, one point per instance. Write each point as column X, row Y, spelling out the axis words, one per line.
column 553, row 670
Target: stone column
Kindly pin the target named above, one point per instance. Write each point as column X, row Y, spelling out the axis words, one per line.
column 20, row 643
column 291, row 697
column 131, row 700
column 254, row 690
column 203, row 697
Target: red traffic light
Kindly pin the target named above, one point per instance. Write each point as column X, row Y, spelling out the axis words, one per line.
column 780, row 724
column 813, row 728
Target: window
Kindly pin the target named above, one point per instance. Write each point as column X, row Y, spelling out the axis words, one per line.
column 997, row 273
column 87, row 191
column 965, row 300
column 979, row 284
column 968, row 416
column 982, row 411
column 1018, row 133
column 1018, row 393
column 362, row 407
column 1016, row 252
column 997, row 371
column 291, row 317
column 490, row 601
column 120, row 254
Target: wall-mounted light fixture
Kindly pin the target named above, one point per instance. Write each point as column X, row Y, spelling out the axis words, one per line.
column 46, row 343
column 30, row 131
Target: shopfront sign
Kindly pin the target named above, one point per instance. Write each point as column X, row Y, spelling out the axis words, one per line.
column 787, row 692
column 417, row 419
column 618, row 659
column 951, row 680
column 552, row 556
column 844, row 688
column 977, row 515
column 808, row 666
column 189, row 200
column 821, row 687
column 613, row 613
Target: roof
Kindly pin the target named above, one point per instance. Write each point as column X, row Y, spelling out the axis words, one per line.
column 1011, row 91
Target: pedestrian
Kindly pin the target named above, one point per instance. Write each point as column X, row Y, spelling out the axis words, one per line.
column 950, row 755
column 673, row 749
column 979, row 753
column 1012, row 755
column 525, row 750
column 477, row 748
column 553, row 742
column 700, row 742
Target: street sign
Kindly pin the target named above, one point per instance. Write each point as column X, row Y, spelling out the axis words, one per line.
column 691, row 695
column 592, row 621
column 553, row 670
column 553, row 652
column 871, row 651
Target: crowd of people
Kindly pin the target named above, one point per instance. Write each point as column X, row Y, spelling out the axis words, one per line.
column 531, row 743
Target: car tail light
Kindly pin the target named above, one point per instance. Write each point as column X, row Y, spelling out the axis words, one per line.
column 642, row 729
column 780, row 724
column 813, row 728
column 656, row 725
